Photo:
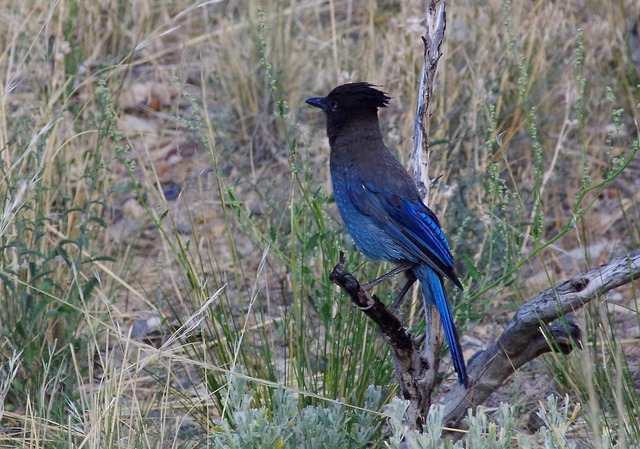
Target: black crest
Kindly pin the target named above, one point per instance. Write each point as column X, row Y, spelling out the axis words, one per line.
column 358, row 95
column 350, row 103
column 349, row 98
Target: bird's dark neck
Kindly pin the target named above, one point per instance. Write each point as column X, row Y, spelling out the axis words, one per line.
column 354, row 132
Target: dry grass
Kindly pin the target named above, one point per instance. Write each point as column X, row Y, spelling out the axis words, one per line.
column 105, row 105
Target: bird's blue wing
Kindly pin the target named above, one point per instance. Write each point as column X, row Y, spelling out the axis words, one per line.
column 412, row 224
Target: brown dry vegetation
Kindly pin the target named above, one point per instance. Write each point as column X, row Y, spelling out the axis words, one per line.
column 108, row 109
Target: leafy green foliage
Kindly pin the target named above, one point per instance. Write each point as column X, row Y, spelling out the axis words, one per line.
column 285, row 424
column 47, row 278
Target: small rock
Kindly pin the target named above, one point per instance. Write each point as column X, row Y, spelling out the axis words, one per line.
column 172, row 191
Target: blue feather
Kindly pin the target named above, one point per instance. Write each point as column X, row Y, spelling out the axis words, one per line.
column 433, row 293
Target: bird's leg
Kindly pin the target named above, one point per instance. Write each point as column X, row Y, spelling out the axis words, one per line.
column 399, row 269
column 411, row 279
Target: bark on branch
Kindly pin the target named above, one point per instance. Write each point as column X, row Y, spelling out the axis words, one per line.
column 410, row 368
column 435, row 27
column 522, row 340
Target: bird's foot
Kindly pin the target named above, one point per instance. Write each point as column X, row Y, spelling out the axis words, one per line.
column 411, row 279
column 397, row 270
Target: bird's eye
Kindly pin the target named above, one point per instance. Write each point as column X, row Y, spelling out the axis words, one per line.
column 333, row 105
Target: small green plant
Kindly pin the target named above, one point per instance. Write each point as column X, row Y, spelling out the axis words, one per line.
column 286, row 424
column 47, row 261
column 43, row 284
column 495, row 429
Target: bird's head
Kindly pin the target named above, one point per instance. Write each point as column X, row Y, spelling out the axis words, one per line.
column 348, row 101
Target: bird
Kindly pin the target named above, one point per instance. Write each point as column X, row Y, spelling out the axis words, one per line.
column 380, row 204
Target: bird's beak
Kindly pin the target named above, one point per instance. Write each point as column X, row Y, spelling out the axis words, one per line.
column 318, row 102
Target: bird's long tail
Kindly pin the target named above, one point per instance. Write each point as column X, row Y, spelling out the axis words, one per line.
column 433, row 293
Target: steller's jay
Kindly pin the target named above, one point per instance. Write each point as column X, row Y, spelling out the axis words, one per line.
column 380, row 203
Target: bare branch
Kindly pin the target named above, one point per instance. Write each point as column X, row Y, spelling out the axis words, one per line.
column 522, row 340
column 410, row 368
column 435, row 26
column 390, row 326
column 432, row 40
